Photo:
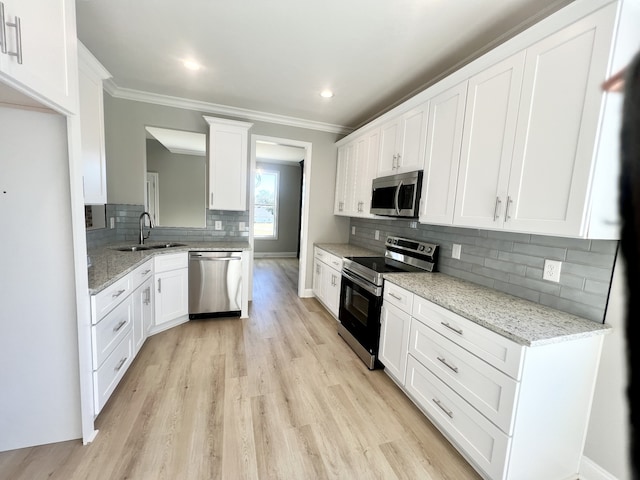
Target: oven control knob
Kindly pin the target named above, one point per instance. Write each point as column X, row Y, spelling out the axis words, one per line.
column 429, row 250
column 421, row 248
column 389, row 240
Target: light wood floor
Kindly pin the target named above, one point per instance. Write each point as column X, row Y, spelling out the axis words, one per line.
column 277, row 395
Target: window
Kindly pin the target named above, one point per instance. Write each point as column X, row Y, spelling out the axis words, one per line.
column 265, row 219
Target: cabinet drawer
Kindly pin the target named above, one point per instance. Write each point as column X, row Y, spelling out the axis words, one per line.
column 172, row 261
column 480, row 440
column 495, row 349
column 330, row 259
column 106, row 378
column 104, row 301
column 110, row 331
column 141, row 273
column 398, row 296
column 490, row 391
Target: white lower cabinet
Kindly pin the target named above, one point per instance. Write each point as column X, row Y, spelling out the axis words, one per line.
column 121, row 315
column 394, row 338
column 171, row 290
column 327, row 275
column 514, row 412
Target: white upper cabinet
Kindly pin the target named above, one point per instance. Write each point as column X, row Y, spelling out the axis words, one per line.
column 356, row 169
column 557, row 128
column 227, row 164
column 402, row 142
column 487, row 144
column 444, row 139
column 90, row 76
column 39, row 58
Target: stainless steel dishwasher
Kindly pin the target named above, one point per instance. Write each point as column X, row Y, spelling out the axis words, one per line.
column 215, row 284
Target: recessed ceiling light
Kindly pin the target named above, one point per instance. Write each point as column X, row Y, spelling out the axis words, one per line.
column 191, row 65
column 326, row 94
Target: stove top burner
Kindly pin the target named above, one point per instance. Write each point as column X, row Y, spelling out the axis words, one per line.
column 384, row 264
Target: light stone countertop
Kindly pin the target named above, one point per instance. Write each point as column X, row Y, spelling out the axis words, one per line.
column 109, row 265
column 522, row 321
column 346, row 250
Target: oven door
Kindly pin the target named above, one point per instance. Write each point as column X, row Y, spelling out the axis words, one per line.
column 360, row 304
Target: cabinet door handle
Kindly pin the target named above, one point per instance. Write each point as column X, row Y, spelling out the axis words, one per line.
column 496, row 212
column 3, row 31
column 211, row 201
column 442, row 407
column 444, row 361
column 117, row 294
column 398, row 161
column 18, row 52
column 120, row 364
column 506, row 210
column 147, row 296
column 119, row 326
column 458, row 331
column 159, row 285
column 393, row 163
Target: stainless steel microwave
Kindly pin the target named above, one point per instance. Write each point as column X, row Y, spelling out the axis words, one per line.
column 397, row 195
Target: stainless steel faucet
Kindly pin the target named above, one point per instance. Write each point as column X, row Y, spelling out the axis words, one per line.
column 142, row 236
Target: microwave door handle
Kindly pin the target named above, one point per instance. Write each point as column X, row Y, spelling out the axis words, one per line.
column 395, row 201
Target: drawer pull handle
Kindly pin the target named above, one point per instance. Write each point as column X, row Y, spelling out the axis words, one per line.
column 146, row 271
column 442, row 407
column 117, row 294
column 120, row 364
column 119, row 326
column 444, row 360
column 391, row 294
column 457, row 330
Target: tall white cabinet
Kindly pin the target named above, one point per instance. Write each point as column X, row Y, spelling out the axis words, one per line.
column 91, row 74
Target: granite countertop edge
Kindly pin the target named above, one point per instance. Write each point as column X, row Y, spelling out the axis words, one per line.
column 108, row 265
column 347, row 250
column 522, row 321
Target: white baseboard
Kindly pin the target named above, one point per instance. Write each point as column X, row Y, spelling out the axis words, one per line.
column 307, row 293
column 274, row 254
column 589, row 470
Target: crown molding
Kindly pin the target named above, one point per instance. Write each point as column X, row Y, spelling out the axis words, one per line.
column 169, row 101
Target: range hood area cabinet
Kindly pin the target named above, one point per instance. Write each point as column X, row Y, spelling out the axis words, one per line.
column 91, row 74
column 227, row 164
column 523, row 139
column 40, row 55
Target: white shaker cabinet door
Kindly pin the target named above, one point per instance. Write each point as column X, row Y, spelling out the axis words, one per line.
column 487, row 144
column 558, row 125
column 42, row 35
column 442, row 159
column 394, row 340
column 171, row 295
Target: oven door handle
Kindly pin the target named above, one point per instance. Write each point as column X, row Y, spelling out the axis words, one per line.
column 374, row 290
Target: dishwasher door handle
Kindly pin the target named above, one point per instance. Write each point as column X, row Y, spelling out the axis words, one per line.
column 218, row 259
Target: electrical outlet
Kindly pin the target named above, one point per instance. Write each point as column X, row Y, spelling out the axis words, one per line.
column 413, row 224
column 457, row 250
column 377, row 235
column 218, row 225
column 353, row 230
column 241, row 226
column 551, row 270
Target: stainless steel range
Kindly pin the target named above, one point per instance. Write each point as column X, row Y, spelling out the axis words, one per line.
column 361, row 291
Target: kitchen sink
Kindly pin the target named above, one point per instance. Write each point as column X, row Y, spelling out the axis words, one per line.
column 166, row 245
column 132, row 248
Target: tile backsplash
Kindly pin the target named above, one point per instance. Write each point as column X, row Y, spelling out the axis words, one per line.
column 512, row 262
column 127, row 228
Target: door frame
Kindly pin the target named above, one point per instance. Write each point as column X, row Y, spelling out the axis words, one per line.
column 304, row 211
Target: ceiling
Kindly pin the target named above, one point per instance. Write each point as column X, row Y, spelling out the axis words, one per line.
column 274, row 57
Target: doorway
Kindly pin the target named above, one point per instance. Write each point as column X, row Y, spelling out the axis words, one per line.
column 267, row 148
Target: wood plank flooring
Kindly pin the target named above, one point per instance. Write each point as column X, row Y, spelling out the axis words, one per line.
column 278, row 395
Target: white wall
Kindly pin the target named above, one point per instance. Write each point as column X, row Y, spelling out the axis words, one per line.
column 607, row 443
column 39, row 377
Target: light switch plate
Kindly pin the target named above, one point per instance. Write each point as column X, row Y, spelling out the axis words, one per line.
column 112, row 222
column 241, row 226
column 353, row 230
column 377, row 235
column 457, row 250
